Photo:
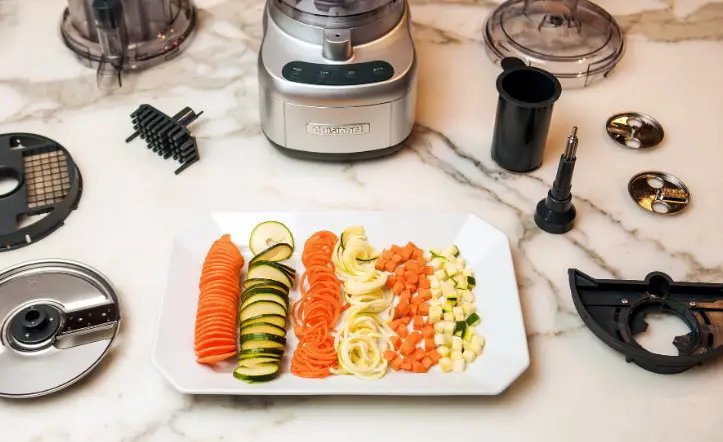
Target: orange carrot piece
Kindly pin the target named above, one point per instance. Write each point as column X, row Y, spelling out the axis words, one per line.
column 423, row 309
column 417, row 254
column 412, row 246
column 413, row 309
column 428, row 270
column 391, row 280
column 395, row 324
column 427, row 331
column 411, row 277
column 418, row 323
column 419, row 354
column 406, row 320
column 412, row 266
column 379, row 265
column 396, row 259
column 406, row 252
column 418, row 367
column 389, row 266
column 425, row 294
column 423, row 282
column 396, row 341
column 414, row 337
column 427, row 362
column 434, row 355
column 402, row 332
column 429, row 344
column 406, row 294
column 403, row 305
column 407, row 366
column 407, row 348
column 399, row 273
column 387, row 255
column 396, row 364
column 395, row 248
column 398, row 287
column 390, row 355
column 411, row 287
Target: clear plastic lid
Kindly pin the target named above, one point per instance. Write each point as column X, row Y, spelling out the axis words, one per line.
column 575, row 40
column 337, row 13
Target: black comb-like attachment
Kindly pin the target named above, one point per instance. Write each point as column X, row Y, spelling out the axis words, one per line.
column 167, row 136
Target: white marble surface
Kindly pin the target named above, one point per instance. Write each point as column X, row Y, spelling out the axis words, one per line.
column 576, row 388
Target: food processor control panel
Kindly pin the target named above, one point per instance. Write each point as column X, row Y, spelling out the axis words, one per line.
column 338, row 75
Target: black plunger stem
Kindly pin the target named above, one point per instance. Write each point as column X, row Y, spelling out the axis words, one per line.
column 562, row 187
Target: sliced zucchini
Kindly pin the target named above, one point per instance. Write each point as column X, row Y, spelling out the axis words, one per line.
column 266, row 352
column 267, row 271
column 283, row 301
column 261, row 308
column 259, row 373
column 263, row 327
column 275, row 253
column 278, row 320
column 473, row 320
column 248, row 345
column 255, row 281
column 279, row 287
column 252, row 292
column 268, row 234
column 256, row 361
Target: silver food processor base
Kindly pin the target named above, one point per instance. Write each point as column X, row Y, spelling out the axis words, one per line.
column 339, row 157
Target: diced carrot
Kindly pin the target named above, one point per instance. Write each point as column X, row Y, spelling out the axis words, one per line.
column 407, row 348
column 434, row 355
column 389, row 266
column 417, row 300
column 403, row 305
column 406, row 294
column 418, row 323
column 422, row 263
column 419, row 354
column 391, row 280
column 395, row 324
column 407, row 366
column 412, row 266
column 396, row 341
column 414, row 337
column 399, row 273
column 395, row 248
column 428, row 270
column 427, row 331
column 429, row 344
column 406, row 320
column 411, row 287
column 427, row 362
column 425, row 294
column 412, row 246
column 413, row 309
column 423, row 309
column 406, row 253
column 397, row 313
column 398, row 287
column 423, row 282
column 396, row 259
column 402, row 332
column 396, row 364
column 418, row 367
column 387, row 255
column 418, row 253
column 390, row 355
column 379, row 265
column 411, row 277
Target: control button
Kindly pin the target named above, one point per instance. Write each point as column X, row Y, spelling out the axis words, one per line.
column 351, row 73
column 379, row 70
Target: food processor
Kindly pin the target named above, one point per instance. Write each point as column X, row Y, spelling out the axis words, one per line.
column 337, row 78
column 118, row 35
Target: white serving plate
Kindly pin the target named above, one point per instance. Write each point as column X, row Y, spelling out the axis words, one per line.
column 485, row 248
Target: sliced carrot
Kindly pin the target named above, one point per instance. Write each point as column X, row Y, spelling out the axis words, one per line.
column 411, row 277
column 387, row 255
column 428, row 331
column 402, row 332
column 398, row 287
column 389, row 266
column 406, row 320
column 390, row 355
column 396, row 259
column 423, row 309
column 396, row 341
column 414, row 337
column 427, row 362
column 418, row 323
column 396, row 364
column 407, row 366
column 423, row 283
column 216, row 358
column 419, row 354
column 391, row 280
column 434, row 355
column 428, row 270
column 429, row 344
column 379, row 264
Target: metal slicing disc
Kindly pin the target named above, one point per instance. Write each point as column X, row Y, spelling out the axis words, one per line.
column 57, row 321
column 659, row 192
column 635, row 130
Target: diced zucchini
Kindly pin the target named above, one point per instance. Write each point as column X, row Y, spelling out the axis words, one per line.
column 459, row 328
column 452, row 300
column 473, row 320
column 450, row 269
column 456, row 355
column 439, row 327
column 448, row 289
column 434, row 284
column 476, row 340
column 460, row 281
column 440, row 275
column 447, row 309
column 478, row 346
column 445, row 364
column 471, row 282
column 444, row 351
column 468, row 308
column 434, row 302
column 456, row 343
column 452, row 250
column 437, row 263
column 467, row 271
column 469, row 355
column 467, row 335
column 458, row 366
column 441, row 340
column 449, row 327
column 458, row 313
column 466, row 295
column 436, row 253
column 435, row 319
column 448, row 316
column 460, row 264
column 466, row 345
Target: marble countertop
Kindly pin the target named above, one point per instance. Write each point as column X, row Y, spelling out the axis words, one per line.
column 575, row 389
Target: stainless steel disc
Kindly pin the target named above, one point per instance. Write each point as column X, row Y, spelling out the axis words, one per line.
column 659, row 192
column 635, row 130
column 57, row 321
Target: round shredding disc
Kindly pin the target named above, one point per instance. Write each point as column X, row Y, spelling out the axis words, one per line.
column 57, row 321
column 659, row 192
column 635, row 130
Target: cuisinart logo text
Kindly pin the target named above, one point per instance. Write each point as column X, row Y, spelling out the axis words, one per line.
column 334, row 129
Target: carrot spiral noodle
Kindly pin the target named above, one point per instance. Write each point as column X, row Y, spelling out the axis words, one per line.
column 215, row 330
column 318, row 311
